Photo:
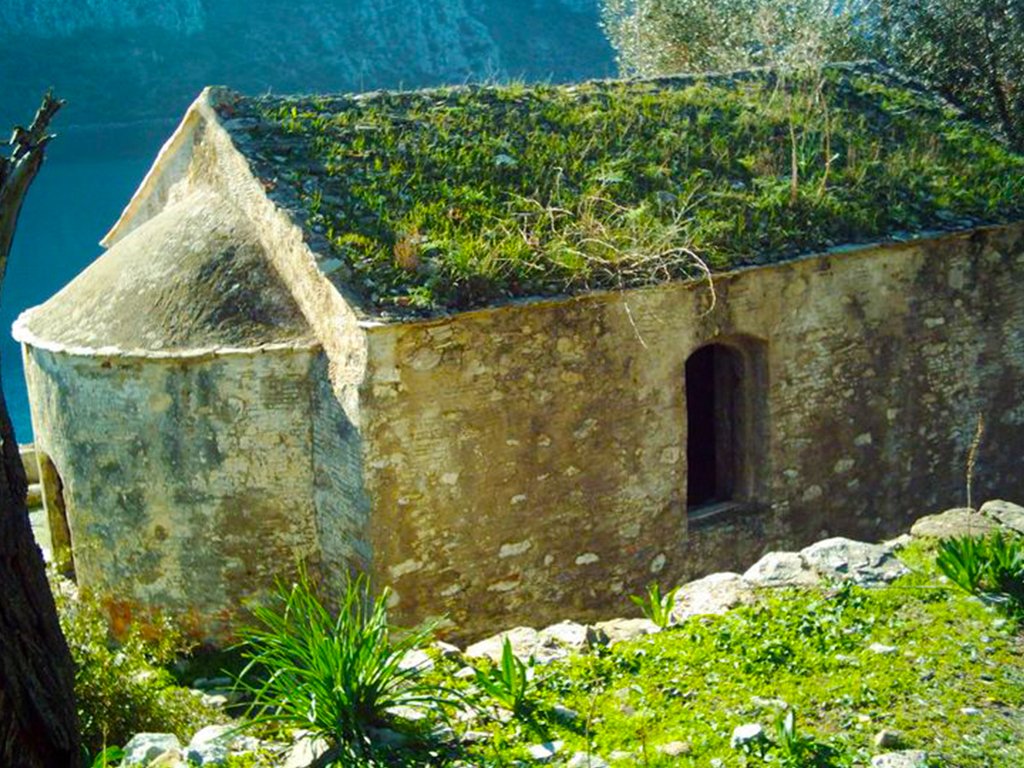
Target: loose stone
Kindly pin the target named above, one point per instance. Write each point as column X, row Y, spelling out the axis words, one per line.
column 746, row 734
column 888, row 738
column 143, row 748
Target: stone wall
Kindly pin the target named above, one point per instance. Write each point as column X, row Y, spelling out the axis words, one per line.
column 188, row 480
column 528, row 462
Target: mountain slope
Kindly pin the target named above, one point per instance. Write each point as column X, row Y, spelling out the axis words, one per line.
column 134, row 60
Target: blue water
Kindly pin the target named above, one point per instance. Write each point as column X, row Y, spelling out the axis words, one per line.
column 69, row 208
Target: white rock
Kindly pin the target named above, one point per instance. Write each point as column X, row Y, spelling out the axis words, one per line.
column 304, row 751
column 407, row 713
column 909, row 758
column 882, row 650
column 567, row 633
column 961, row 521
column 621, row 630
column 447, row 650
column 887, row 738
column 864, row 564
column 418, row 659
column 524, row 642
column 781, row 569
column 212, row 733
column 143, row 748
column 215, row 700
column 712, row 595
column 675, row 748
column 1006, row 513
column 745, row 734
column 544, row 752
column 172, row 758
column 584, row 760
column 210, row 745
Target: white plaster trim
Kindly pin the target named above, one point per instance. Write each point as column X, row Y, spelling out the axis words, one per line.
column 21, row 333
column 170, row 166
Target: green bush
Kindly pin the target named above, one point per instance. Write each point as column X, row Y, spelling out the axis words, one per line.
column 123, row 687
column 335, row 676
column 990, row 567
column 972, row 51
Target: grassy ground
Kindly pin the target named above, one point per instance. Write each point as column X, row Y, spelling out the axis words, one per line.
column 938, row 668
column 952, row 683
column 452, row 198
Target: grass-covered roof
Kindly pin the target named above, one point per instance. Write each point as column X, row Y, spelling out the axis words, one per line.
column 457, row 197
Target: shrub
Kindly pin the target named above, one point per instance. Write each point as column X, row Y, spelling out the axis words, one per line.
column 337, row 675
column 990, row 567
column 123, row 687
column 970, row 50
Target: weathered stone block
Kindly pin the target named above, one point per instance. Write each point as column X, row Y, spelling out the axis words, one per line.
column 960, row 521
column 1006, row 513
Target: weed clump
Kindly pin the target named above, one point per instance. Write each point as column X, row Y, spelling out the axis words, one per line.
column 452, row 198
column 335, row 675
column 124, row 687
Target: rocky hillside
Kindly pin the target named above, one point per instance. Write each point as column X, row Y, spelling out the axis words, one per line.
column 63, row 18
column 136, row 60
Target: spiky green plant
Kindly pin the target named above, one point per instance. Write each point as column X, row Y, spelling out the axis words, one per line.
column 990, row 567
column 510, row 682
column 333, row 674
column 656, row 606
column 797, row 750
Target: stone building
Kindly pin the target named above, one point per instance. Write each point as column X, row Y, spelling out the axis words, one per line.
column 222, row 397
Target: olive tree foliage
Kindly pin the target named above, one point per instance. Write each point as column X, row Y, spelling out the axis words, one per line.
column 972, row 51
column 656, row 37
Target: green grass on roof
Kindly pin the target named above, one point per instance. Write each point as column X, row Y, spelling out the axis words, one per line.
column 454, row 198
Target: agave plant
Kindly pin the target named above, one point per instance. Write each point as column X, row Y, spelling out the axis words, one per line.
column 656, row 606
column 990, row 567
column 335, row 675
column 510, row 682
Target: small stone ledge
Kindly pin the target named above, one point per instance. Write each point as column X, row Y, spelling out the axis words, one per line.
column 1007, row 514
column 719, row 512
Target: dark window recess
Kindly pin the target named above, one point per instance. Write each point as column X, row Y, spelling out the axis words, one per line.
column 712, row 399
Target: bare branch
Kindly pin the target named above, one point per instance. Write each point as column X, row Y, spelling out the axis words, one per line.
column 19, row 170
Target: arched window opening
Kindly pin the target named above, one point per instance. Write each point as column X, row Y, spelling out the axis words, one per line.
column 724, row 386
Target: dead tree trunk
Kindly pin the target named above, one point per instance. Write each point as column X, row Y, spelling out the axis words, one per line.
column 38, row 725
